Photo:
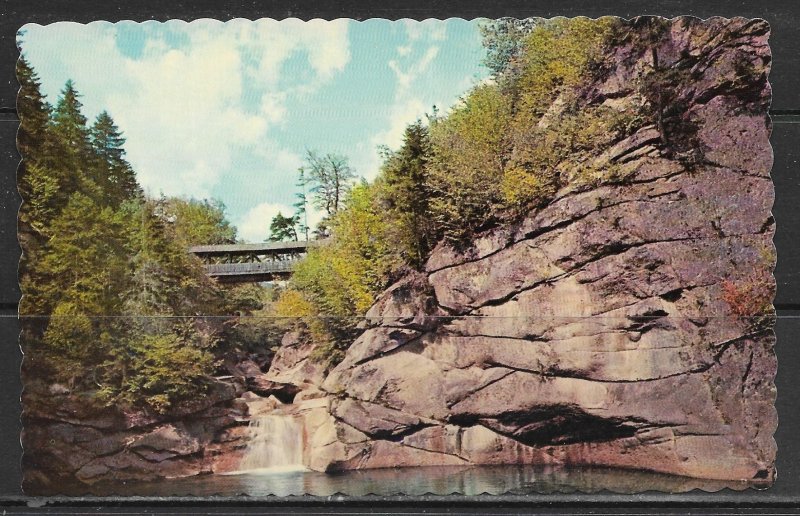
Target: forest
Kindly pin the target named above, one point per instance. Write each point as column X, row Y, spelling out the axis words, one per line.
column 116, row 309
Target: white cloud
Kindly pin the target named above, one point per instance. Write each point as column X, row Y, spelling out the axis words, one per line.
column 279, row 161
column 429, row 28
column 405, row 78
column 182, row 110
column 272, row 107
column 272, row 42
column 184, row 118
column 254, row 225
column 328, row 46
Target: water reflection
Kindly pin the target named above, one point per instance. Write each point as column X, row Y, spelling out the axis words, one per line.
column 467, row 480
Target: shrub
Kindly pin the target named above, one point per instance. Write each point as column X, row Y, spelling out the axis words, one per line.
column 468, row 149
column 506, row 148
column 557, row 56
column 162, row 370
column 749, row 298
column 564, row 151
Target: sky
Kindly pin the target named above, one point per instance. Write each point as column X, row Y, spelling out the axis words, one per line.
column 228, row 110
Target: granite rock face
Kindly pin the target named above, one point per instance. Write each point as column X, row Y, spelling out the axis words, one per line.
column 602, row 328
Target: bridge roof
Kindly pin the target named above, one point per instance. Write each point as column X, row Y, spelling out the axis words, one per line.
column 261, row 248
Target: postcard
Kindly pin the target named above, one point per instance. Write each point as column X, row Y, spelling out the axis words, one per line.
column 286, row 257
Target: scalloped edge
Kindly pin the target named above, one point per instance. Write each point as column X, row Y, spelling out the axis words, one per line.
column 399, row 497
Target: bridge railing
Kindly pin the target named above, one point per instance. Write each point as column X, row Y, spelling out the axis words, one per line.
column 269, row 267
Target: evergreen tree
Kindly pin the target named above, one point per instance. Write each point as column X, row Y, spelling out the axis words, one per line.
column 112, row 173
column 38, row 183
column 406, row 195
column 72, row 151
column 69, row 124
column 283, row 228
column 86, row 259
column 504, row 40
column 34, row 113
column 166, row 279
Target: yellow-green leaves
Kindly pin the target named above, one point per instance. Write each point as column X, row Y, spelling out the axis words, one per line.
column 557, row 55
column 164, row 369
column 466, row 166
column 338, row 281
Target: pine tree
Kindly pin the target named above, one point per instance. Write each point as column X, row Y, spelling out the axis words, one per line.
column 283, row 228
column 112, row 173
column 405, row 194
column 86, row 259
column 72, row 149
column 69, row 124
column 38, row 183
column 34, row 113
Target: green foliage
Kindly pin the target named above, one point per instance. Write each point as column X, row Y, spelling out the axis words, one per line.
column 166, row 279
column 466, row 166
column 196, row 222
column 34, row 112
column 111, row 172
column 283, row 228
column 563, row 151
column 503, row 40
column 403, row 192
column 72, row 154
column 40, row 189
column 85, row 260
column 69, row 331
column 513, row 143
column 558, row 55
column 161, row 370
column 110, row 267
column 338, row 281
column 342, row 277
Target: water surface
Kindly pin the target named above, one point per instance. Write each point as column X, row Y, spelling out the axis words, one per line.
column 467, row 480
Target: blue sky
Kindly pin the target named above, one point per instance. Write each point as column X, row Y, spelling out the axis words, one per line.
column 227, row 110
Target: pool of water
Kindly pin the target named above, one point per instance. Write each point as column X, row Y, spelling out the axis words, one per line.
column 471, row 480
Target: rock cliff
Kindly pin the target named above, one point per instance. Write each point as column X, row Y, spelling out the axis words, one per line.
column 72, row 442
column 622, row 325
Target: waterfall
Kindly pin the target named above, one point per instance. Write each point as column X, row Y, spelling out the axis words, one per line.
column 276, row 443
